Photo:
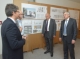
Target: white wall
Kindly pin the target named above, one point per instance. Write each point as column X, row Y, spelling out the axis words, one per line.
column 3, row 16
column 65, row 3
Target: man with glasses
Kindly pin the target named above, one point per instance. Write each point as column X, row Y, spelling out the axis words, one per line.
column 19, row 22
column 12, row 41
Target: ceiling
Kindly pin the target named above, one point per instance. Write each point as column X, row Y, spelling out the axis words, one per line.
column 76, row 1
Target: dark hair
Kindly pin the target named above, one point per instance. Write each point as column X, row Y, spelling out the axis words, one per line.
column 10, row 8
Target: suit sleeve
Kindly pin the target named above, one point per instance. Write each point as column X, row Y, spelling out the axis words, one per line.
column 75, row 29
column 54, row 27
column 60, row 31
column 43, row 28
column 11, row 35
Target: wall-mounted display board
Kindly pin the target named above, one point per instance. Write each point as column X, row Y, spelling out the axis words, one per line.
column 32, row 26
column 57, row 14
column 33, row 11
column 74, row 14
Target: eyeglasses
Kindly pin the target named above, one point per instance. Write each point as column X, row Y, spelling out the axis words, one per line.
column 16, row 11
column 21, row 14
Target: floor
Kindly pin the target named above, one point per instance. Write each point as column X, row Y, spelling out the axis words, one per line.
column 58, row 52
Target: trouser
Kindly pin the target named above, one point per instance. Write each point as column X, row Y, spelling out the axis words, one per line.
column 68, row 46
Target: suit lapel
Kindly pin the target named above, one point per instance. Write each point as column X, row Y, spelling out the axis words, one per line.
column 68, row 23
column 63, row 24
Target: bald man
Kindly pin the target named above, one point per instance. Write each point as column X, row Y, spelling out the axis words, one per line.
column 49, row 32
column 19, row 22
column 68, row 33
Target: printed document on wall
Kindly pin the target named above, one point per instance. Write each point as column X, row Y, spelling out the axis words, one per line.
column 34, row 11
column 57, row 13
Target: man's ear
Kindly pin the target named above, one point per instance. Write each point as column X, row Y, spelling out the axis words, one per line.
column 13, row 13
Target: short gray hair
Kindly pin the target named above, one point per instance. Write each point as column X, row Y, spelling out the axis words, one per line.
column 10, row 8
column 67, row 12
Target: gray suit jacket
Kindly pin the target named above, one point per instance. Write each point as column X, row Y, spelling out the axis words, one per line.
column 52, row 28
column 71, row 29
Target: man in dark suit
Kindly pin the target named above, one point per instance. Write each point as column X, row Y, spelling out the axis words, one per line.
column 68, row 33
column 12, row 42
column 49, row 32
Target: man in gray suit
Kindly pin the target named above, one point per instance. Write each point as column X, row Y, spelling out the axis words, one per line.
column 68, row 33
column 49, row 32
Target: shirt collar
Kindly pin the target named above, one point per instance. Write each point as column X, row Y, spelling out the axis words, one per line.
column 49, row 19
column 67, row 19
column 19, row 20
column 12, row 19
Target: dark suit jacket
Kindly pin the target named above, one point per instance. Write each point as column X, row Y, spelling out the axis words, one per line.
column 52, row 28
column 71, row 29
column 12, row 42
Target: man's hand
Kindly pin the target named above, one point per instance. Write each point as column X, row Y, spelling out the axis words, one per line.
column 60, row 39
column 54, row 36
column 73, row 41
column 20, row 28
column 24, row 37
column 43, row 35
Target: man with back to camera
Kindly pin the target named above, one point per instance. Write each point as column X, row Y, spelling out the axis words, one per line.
column 68, row 33
column 12, row 41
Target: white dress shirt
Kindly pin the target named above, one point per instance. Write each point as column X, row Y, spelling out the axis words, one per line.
column 48, row 25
